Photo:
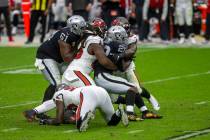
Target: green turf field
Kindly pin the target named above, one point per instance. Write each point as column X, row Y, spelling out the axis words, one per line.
column 178, row 77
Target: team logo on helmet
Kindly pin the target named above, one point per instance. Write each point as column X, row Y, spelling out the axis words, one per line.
column 77, row 24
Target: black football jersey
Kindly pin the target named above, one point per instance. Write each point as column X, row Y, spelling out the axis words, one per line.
column 50, row 48
column 110, row 49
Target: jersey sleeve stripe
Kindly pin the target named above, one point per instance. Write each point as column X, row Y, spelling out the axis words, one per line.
column 83, row 78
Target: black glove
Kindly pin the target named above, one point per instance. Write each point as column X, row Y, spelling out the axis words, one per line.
column 118, row 57
column 43, row 122
column 48, row 122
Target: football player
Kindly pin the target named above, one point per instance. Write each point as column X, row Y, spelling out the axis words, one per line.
column 130, row 73
column 56, row 51
column 87, row 99
column 115, row 43
column 115, row 46
column 77, row 73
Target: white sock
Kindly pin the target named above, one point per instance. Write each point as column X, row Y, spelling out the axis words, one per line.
column 45, row 106
column 117, row 112
column 154, row 102
column 143, row 108
column 129, row 108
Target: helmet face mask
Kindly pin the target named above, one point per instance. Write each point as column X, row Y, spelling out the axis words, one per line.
column 77, row 24
column 97, row 26
column 117, row 34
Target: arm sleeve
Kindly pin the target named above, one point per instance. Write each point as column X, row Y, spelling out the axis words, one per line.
column 165, row 10
column 145, row 9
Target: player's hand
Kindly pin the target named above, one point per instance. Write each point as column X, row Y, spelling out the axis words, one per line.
column 117, row 57
column 49, row 122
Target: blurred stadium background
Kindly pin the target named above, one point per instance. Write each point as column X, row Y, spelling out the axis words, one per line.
column 18, row 13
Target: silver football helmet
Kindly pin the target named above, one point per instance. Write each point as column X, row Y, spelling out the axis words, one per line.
column 117, row 34
column 77, row 24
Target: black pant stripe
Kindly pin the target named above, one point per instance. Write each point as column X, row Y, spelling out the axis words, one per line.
column 115, row 81
column 51, row 76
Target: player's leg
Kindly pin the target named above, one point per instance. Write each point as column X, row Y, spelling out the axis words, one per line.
column 107, row 110
column 51, row 72
column 44, row 107
column 85, row 110
column 181, row 21
column 189, row 27
column 118, row 85
column 133, row 77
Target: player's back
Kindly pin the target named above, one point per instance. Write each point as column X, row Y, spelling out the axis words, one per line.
column 50, row 48
column 84, row 60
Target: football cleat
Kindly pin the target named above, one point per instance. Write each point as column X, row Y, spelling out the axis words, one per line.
column 150, row 115
column 85, row 122
column 29, row 115
column 133, row 117
column 124, row 116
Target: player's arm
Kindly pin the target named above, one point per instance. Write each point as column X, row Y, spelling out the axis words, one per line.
column 130, row 52
column 128, row 55
column 59, row 114
column 134, row 78
column 66, row 51
column 98, row 51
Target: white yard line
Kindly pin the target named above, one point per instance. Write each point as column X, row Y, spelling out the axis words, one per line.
column 202, row 102
column 10, row 129
column 21, row 104
column 70, row 131
column 149, row 50
column 135, row 131
column 16, row 67
column 22, row 71
column 193, row 134
column 176, row 77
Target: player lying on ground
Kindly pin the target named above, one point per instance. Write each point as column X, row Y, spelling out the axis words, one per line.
column 87, row 99
column 77, row 73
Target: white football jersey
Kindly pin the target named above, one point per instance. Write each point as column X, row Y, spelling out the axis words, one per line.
column 83, row 60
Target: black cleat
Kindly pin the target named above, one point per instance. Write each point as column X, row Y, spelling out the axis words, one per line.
column 29, row 115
